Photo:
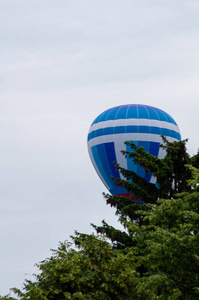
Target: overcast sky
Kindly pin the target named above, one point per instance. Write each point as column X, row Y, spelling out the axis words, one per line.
column 62, row 63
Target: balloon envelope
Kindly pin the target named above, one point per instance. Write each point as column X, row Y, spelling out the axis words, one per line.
column 141, row 124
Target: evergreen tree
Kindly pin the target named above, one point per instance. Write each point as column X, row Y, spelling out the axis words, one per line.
column 171, row 172
column 167, row 246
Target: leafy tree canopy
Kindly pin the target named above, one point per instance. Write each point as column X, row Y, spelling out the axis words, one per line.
column 91, row 271
column 155, row 256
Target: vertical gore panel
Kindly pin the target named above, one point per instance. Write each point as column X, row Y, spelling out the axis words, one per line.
column 112, row 114
column 162, row 116
column 111, row 157
column 152, row 114
column 130, row 163
column 142, row 113
column 154, row 148
column 141, row 170
column 122, row 113
column 99, row 160
column 102, row 154
column 132, row 112
column 110, row 153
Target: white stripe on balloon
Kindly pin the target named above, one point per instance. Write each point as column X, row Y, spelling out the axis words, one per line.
column 134, row 122
column 121, row 137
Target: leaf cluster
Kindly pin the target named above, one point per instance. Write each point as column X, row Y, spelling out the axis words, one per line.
column 92, row 271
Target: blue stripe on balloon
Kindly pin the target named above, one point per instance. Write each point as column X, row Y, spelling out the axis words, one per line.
column 97, row 155
column 108, row 130
column 111, row 157
column 140, row 170
column 120, row 129
column 154, row 148
column 134, row 129
column 157, row 130
column 104, row 155
column 110, row 153
column 144, row 129
column 130, row 163
column 167, row 132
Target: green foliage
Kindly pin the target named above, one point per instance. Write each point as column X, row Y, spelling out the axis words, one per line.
column 172, row 174
column 168, row 246
column 171, row 171
column 163, row 233
column 155, row 256
column 93, row 271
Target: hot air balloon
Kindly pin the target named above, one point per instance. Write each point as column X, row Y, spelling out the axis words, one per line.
column 141, row 124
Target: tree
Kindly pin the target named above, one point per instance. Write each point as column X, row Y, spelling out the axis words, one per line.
column 164, row 233
column 167, row 245
column 172, row 173
column 154, row 257
column 92, row 271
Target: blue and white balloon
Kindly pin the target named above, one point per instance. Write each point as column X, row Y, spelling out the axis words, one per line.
column 141, row 124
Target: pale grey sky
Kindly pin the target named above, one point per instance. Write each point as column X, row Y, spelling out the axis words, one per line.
column 62, row 63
